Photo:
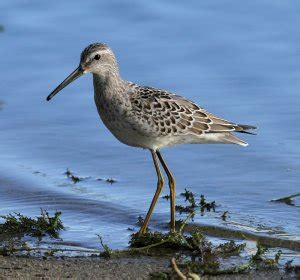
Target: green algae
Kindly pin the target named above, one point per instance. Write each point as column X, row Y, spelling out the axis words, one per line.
column 107, row 252
column 37, row 227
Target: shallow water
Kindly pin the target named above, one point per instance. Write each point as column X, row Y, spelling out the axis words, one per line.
column 237, row 60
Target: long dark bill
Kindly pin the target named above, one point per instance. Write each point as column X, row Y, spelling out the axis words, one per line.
column 72, row 77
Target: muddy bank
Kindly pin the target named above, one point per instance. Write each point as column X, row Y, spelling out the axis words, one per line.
column 81, row 268
column 127, row 267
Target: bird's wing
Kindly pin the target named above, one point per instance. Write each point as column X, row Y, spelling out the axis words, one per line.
column 165, row 113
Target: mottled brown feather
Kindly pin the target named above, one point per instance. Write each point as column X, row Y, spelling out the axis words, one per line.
column 177, row 115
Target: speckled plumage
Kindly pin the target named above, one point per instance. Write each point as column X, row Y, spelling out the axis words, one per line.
column 151, row 118
column 147, row 117
column 170, row 114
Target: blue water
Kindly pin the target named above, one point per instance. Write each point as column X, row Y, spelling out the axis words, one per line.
column 239, row 60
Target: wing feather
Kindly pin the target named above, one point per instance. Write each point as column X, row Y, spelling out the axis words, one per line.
column 162, row 113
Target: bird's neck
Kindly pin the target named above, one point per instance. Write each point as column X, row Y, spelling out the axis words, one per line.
column 108, row 89
column 108, row 81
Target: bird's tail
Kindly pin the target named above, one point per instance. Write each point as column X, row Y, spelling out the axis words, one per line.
column 231, row 139
column 241, row 128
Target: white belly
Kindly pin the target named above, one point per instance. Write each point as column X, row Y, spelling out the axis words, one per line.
column 127, row 135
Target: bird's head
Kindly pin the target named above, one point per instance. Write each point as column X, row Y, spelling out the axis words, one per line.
column 96, row 58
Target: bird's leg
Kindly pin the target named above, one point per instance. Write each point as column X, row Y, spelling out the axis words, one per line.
column 160, row 183
column 172, row 186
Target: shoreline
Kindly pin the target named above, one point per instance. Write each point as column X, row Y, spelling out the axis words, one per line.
column 125, row 267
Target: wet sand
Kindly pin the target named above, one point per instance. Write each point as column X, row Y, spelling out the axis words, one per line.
column 131, row 267
column 80, row 268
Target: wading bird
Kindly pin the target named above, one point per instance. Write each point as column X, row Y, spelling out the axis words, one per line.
column 149, row 118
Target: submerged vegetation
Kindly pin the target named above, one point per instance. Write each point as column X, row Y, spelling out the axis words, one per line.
column 73, row 177
column 110, row 181
column 193, row 204
column 287, row 199
column 190, row 252
column 224, row 215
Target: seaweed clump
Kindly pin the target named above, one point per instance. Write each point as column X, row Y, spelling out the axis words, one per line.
column 224, row 215
column 193, row 205
column 13, row 245
column 207, row 260
column 290, row 268
column 172, row 240
column 75, row 179
column 36, row 227
column 287, row 199
column 111, row 181
column 259, row 260
column 195, row 254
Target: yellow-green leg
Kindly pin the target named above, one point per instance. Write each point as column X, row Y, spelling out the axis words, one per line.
column 160, row 183
column 172, row 186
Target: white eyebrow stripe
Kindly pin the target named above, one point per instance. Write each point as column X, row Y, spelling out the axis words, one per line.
column 107, row 51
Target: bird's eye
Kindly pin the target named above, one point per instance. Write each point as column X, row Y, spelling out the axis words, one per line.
column 97, row 56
